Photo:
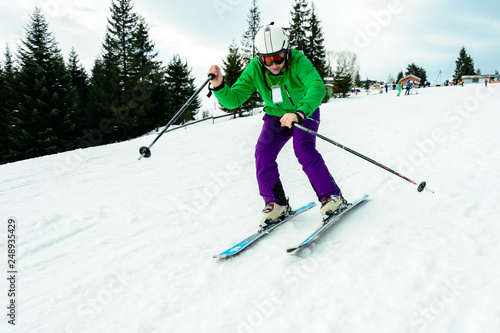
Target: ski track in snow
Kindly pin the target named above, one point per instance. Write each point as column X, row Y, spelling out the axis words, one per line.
column 110, row 243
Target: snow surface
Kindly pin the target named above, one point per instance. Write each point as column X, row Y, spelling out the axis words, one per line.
column 107, row 243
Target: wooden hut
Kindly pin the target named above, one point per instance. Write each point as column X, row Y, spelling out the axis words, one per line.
column 404, row 80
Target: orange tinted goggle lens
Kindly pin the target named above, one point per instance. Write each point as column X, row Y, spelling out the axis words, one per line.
column 277, row 59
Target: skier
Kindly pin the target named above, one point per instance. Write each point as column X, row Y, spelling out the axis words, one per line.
column 292, row 91
column 400, row 87
column 414, row 87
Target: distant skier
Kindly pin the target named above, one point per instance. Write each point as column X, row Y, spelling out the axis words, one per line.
column 408, row 87
column 414, row 87
column 400, row 87
column 292, row 91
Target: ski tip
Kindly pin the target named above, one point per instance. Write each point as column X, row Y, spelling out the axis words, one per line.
column 219, row 256
column 292, row 249
column 362, row 198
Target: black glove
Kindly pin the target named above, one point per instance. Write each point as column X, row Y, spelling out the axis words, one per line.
column 300, row 117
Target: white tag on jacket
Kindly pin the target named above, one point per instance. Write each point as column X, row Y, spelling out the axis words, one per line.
column 277, row 97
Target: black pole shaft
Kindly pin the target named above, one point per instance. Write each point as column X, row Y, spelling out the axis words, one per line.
column 175, row 117
column 420, row 186
column 181, row 110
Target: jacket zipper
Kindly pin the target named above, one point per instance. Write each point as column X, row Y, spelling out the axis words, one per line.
column 288, row 94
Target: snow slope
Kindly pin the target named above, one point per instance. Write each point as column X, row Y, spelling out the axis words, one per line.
column 107, row 243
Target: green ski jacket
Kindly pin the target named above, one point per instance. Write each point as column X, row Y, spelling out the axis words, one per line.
column 301, row 87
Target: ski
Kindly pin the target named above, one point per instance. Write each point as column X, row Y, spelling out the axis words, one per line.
column 260, row 233
column 326, row 224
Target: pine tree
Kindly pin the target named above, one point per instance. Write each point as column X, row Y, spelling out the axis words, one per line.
column 180, row 87
column 8, row 103
column 400, row 76
column 464, row 65
column 119, row 40
column 367, row 84
column 347, row 67
column 158, row 114
column 299, row 26
column 342, row 83
column 144, row 68
column 143, row 51
column 1, row 85
column 232, row 67
column 249, row 52
column 150, row 80
column 357, row 79
column 42, row 124
column 103, row 92
column 127, row 82
column 247, row 43
column 78, row 75
column 4, row 126
column 117, row 61
column 315, row 50
column 80, row 83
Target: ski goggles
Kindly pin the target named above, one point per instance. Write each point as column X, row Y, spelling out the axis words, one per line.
column 268, row 60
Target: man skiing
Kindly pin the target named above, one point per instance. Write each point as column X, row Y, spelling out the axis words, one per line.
column 292, row 91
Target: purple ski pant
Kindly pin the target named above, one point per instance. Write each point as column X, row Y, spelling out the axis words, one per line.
column 272, row 139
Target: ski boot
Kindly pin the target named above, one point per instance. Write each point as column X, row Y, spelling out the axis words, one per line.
column 274, row 213
column 331, row 205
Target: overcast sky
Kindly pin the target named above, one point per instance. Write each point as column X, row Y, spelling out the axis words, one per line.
column 386, row 35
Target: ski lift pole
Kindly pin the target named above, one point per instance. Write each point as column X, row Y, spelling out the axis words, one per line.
column 146, row 151
column 420, row 187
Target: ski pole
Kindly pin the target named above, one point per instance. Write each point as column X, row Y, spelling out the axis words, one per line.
column 146, row 151
column 420, row 187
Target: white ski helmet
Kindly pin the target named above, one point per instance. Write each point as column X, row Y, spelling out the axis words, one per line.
column 270, row 39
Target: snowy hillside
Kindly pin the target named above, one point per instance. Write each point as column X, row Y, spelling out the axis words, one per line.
column 107, row 243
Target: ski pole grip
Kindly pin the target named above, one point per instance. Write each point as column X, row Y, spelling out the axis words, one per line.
column 211, row 76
